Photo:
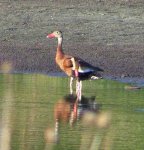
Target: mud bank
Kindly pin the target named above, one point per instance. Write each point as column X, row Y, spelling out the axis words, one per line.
column 107, row 34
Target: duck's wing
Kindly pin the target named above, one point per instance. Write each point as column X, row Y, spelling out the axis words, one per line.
column 85, row 67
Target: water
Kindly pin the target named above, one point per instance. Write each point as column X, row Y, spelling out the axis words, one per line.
column 35, row 115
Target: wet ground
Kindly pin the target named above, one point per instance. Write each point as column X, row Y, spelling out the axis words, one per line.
column 106, row 33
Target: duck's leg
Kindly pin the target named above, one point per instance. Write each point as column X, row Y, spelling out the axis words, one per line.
column 71, row 84
column 79, row 89
column 77, row 86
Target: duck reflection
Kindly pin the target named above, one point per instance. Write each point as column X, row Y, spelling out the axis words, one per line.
column 68, row 110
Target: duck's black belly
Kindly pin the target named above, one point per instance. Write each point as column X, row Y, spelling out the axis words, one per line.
column 83, row 75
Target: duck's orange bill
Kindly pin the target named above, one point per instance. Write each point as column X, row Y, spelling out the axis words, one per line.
column 50, row 35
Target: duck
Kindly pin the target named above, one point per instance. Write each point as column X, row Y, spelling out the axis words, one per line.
column 73, row 66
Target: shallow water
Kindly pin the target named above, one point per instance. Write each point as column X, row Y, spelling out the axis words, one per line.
column 35, row 115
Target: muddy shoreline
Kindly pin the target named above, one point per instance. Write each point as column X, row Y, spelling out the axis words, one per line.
column 104, row 33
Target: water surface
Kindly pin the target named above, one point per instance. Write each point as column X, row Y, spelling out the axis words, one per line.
column 36, row 113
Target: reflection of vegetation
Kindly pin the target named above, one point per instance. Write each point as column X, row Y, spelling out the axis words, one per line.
column 33, row 100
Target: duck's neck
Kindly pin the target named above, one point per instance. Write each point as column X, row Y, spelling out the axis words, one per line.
column 59, row 53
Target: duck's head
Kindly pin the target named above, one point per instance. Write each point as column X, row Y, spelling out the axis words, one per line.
column 55, row 34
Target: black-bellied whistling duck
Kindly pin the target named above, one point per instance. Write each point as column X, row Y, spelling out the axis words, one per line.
column 74, row 67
